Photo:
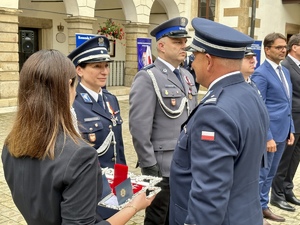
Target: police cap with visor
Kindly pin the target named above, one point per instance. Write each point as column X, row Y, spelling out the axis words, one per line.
column 173, row 28
column 218, row 40
column 92, row 51
column 249, row 51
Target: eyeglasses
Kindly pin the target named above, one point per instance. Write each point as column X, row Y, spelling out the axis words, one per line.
column 279, row 48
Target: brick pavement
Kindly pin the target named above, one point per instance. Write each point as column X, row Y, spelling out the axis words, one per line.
column 9, row 214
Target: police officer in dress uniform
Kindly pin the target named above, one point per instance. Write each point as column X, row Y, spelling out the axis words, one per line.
column 215, row 167
column 97, row 110
column 160, row 101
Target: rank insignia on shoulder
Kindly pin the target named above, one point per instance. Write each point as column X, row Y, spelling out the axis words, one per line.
column 86, row 97
column 210, row 100
column 148, row 67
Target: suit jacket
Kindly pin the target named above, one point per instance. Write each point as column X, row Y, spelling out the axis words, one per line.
column 65, row 190
column 295, row 79
column 95, row 122
column 279, row 105
column 215, row 167
column 153, row 133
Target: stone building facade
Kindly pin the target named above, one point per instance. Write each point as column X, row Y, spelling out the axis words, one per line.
column 55, row 23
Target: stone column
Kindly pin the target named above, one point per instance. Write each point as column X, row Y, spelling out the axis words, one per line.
column 78, row 24
column 9, row 57
column 133, row 31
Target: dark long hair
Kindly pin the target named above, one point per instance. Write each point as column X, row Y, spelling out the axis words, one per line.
column 43, row 105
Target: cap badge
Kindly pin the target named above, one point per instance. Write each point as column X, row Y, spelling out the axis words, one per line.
column 100, row 41
column 182, row 21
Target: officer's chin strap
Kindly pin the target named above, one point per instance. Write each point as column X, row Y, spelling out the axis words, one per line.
column 167, row 111
column 110, row 139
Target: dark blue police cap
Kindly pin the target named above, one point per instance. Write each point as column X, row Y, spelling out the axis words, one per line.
column 173, row 28
column 91, row 51
column 218, row 40
column 249, row 51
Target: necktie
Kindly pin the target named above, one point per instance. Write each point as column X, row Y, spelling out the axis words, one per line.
column 177, row 73
column 283, row 81
column 101, row 102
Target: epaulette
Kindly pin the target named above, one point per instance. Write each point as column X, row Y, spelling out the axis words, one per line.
column 211, row 97
column 106, row 91
column 148, row 66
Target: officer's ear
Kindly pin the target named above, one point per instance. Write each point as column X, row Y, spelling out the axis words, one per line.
column 161, row 45
column 79, row 71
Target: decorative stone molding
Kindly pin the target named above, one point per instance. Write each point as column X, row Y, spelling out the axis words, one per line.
column 78, row 24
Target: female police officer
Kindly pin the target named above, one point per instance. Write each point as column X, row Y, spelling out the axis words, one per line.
column 97, row 110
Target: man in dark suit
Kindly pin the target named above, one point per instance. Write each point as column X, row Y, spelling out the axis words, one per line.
column 282, row 186
column 274, row 84
column 215, row 166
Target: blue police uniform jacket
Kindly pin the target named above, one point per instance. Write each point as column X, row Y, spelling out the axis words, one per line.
column 215, row 167
column 94, row 124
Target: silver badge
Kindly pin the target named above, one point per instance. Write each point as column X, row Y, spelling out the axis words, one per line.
column 100, row 41
column 182, row 21
column 114, row 120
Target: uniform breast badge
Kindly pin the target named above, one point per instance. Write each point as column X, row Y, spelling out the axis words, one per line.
column 92, row 137
column 173, row 101
column 190, row 84
column 114, row 119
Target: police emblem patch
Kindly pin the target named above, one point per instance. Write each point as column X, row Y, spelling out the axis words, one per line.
column 173, row 101
column 92, row 137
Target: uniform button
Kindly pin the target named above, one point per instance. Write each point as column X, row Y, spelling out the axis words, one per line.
column 113, row 159
column 96, row 125
column 91, row 129
column 160, row 147
column 110, row 126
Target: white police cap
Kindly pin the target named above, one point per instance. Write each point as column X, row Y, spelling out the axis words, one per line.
column 91, row 51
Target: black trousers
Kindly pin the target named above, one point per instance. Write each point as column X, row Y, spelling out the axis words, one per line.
column 158, row 212
column 282, row 184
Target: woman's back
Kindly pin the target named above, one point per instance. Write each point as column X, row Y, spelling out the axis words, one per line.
column 58, row 191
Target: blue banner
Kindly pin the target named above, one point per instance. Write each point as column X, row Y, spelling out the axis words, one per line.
column 256, row 47
column 144, row 54
column 81, row 38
